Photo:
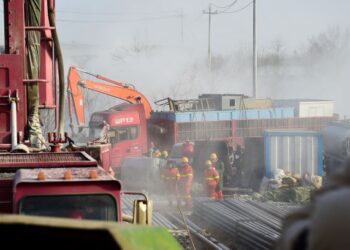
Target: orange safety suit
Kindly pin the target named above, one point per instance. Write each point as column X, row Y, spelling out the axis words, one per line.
column 185, row 184
column 212, row 180
column 219, row 166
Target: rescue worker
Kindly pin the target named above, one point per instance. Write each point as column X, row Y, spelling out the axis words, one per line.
column 164, row 155
column 103, row 136
column 324, row 224
column 220, row 168
column 211, row 179
column 238, row 166
column 171, row 176
column 157, row 154
column 163, row 159
column 185, row 184
column 152, row 149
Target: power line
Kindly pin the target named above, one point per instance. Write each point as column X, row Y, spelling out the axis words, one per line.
column 117, row 21
column 226, row 6
column 116, row 13
column 237, row 10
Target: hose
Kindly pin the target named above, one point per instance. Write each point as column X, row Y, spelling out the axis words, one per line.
column 59, row 56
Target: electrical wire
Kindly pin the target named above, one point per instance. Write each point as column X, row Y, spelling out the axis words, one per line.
column 237, row 10
column 117, row 21
column 89, row 13
column 226, row 6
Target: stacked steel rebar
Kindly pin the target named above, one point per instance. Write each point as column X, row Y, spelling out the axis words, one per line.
column 249, row 224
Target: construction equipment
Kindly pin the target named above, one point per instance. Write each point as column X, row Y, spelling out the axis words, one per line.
column 128, row 121
column 107, row 86
column 48, row 183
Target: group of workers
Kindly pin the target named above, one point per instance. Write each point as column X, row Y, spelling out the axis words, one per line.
column 178, row 178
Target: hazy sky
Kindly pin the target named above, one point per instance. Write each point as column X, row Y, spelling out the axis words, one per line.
column 101, row 37
column 111, row 22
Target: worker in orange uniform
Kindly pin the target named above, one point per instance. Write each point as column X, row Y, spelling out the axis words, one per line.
column 212, row 180
column 185, row 184
column 171, row 177
column 220, row 168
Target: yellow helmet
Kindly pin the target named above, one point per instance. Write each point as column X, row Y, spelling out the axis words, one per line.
column 184, row 159
column 165, row 154
column 208, row 163
column 213, row 157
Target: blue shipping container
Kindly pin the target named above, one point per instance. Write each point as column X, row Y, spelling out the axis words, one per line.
column 296, row 151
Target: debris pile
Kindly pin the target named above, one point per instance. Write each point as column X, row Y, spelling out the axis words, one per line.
column 286, row 187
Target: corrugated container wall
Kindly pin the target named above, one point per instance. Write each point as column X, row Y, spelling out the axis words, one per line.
column 295, row 151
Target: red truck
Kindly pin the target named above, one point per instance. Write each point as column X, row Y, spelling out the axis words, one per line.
column 36, row 184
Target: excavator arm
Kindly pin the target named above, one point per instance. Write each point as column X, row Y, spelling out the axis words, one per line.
column 107, row 86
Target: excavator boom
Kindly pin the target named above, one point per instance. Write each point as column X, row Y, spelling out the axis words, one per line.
column 107, row 86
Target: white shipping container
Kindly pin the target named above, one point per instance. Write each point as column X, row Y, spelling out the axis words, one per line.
column 308, row 108
column 316, row 109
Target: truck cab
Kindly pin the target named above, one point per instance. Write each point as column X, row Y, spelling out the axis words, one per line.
column 48, row 192
column 127, row 132
column 65, row 184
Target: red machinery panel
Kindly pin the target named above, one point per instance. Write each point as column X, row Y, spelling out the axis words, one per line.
column 12, row 162
column 12, row 68
column 12, row 61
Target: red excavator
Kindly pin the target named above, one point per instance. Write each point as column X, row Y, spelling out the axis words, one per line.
column 127, row 122
column 106, row 86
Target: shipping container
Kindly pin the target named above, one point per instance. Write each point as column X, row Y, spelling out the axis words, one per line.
column 299, row 152
column 308, row 108
column 256, row 127
column 232, row 102
column 223, row 101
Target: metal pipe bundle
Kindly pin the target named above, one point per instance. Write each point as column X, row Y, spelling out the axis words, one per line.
column 250, row 224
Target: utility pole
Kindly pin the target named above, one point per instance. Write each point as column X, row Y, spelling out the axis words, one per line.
column 182, row 25
column 255, row 54
column 209, row 12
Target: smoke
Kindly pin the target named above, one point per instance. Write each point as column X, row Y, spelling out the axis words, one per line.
column 164, row 60
column 316, row 70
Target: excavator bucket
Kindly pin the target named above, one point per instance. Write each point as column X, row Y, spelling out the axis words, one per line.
column 44, row 233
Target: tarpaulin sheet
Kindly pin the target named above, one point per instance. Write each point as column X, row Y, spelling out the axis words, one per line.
column 33, row 12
